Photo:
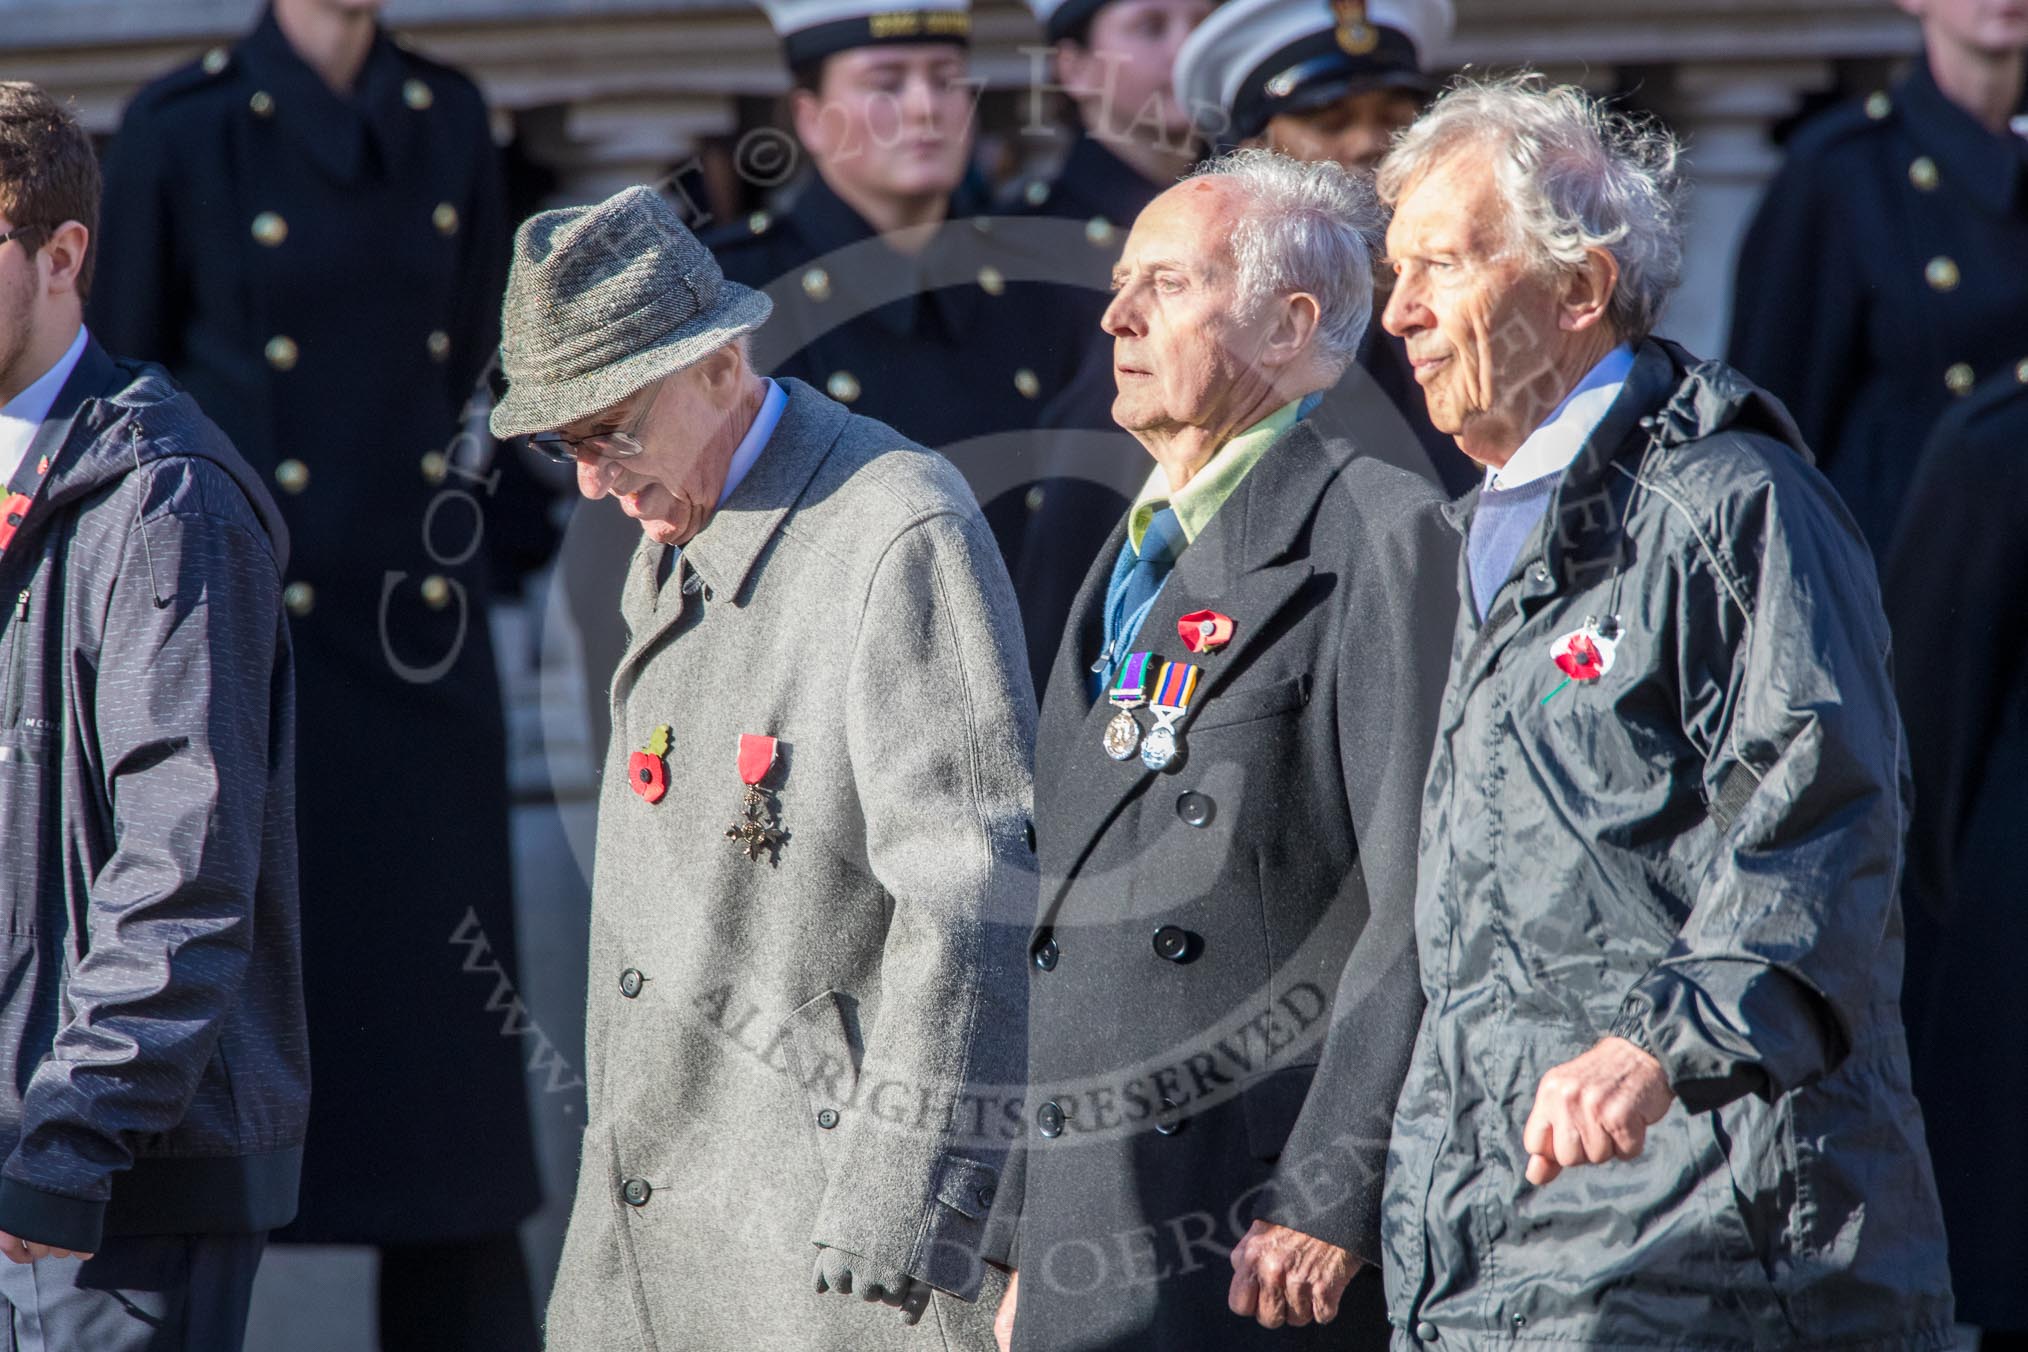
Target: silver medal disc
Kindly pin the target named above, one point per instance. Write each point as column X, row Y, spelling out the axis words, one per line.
column 1159, row 748
column 1123, row 734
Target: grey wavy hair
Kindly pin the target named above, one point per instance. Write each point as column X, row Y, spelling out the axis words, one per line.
column 1574, row 174
column 1308, row 227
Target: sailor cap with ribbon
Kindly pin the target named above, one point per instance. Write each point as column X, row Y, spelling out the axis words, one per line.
column 1061, row 18
column 811, row 30
column 1252, row 60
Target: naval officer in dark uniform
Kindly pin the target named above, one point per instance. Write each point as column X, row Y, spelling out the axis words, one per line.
column 890, row 294
column 307, row 229
column 1955, row 585
column 1886, row 273
column 1113, row 59
column 1334, row 81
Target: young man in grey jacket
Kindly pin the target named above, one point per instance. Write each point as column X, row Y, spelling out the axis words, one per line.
column 153, row 1067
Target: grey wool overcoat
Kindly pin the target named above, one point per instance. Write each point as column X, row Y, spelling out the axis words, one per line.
column 801, row 1048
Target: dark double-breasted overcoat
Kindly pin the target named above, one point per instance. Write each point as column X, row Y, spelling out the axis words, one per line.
column 1885, row 275
column 323, row 273
column 1956, row 591
column 1222, row 982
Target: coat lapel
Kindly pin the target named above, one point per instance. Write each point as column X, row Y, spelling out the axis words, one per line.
column 726, row 552
column 1242, row 566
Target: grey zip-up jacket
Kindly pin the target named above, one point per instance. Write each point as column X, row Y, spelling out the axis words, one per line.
column 154, row 1069
column 1697, row 851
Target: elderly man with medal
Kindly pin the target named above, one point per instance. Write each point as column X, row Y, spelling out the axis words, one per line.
column 796, row 1015
column 1222, row 987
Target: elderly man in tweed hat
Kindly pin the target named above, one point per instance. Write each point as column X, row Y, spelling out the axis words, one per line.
column 817, row 799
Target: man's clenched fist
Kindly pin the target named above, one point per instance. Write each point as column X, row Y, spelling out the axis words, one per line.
column 1283, row 1276
column 1595, row 1109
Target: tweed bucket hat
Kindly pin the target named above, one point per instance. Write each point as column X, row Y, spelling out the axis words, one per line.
column 604, row 299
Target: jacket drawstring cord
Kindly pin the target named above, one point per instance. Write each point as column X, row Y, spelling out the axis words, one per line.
column 147, row 545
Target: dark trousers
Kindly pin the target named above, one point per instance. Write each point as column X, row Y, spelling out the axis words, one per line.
column 139, row 1293
column 470, row 1296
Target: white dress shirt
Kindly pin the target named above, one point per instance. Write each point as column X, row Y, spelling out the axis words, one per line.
column 1551, row 447
column 23, row 415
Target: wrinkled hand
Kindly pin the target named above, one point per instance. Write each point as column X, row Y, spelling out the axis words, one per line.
column 850, row 1275
column 28, row 1251
column 1003, row 1321
column 1283, row 1276
column 1595, row 1109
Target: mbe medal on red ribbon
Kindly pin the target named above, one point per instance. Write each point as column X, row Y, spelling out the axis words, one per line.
column 758, row 828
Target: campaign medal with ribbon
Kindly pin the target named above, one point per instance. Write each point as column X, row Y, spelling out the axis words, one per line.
column 648, row 768
column 1204, row 631
column 758, row 827
column 1129, row 692
column 1174, row 688
column 1585, row 653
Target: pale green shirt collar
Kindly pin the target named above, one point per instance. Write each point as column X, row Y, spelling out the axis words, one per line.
column 1200, row 499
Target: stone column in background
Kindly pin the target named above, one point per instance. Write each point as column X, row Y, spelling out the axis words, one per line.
column 1724, row 110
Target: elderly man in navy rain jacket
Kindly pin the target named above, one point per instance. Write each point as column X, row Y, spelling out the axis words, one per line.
column 1656, row 907
column 154, row 1057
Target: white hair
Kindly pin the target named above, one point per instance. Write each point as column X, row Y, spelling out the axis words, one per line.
column 1308, row 227
column 1574, row 175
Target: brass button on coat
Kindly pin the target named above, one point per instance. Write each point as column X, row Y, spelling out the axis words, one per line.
column 293, row 476
column 842, row 386
column 262, row 104
column 417, row 95
column 759, row 222
column 1035, row 498
column 281, row 352
column 1941, row 274
column 270, row 229
column 1026, row 382
column 1036, row 193
column 215, row 60
column 2021, row 372
column 817, row 284
column 1099, row 232
column 435, row 466
column 300, row 598
column 439, row 344
column 1960, row 378
column 992, row 281
column 436, row 592
column 1922, row 173
column 445, row 219
column 1878, row 105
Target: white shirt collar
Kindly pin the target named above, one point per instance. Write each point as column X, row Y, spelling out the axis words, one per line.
column 756, row 439
column 22, row 417
column 1551, row 447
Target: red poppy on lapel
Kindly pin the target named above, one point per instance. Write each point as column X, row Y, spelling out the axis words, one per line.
column 1204, row 631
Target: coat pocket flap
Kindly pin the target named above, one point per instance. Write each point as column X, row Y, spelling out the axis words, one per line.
column 1227, row 708
column 967, row 1186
